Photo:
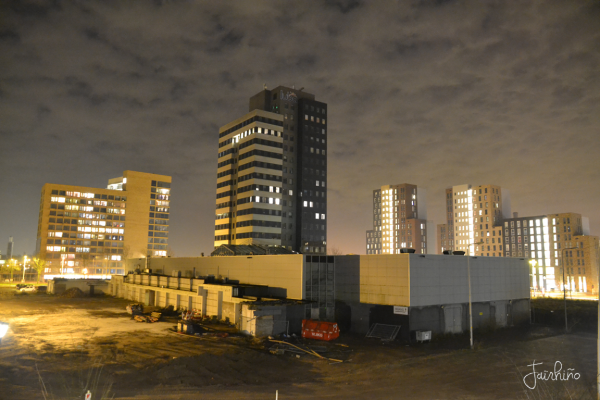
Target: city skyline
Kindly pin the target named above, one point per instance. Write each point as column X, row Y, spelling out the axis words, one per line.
column 433, row 93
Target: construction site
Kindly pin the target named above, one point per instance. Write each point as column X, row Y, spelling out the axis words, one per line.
column 64, row 345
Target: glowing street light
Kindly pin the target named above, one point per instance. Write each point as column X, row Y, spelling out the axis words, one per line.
column 533, row 264
column 24, row 267
column 3, row 330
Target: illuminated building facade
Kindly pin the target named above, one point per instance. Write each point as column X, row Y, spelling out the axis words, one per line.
column 443, row 238
column 475, row 219
column 399, row 220
column 85, row 231
column 554, row 242
column 272, row 174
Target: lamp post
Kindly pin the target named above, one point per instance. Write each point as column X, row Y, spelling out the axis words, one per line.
column 533, row 264
column 562, row 252
column 24, row 266
column 469, row 279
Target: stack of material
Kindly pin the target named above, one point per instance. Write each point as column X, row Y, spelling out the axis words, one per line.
column 73, row 293
column 154, row 317
column 135, row 309
column 282, row 347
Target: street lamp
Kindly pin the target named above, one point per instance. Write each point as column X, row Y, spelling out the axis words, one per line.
column 562, row 253
column 469, row 278
column 24, row 266
column 533, row 264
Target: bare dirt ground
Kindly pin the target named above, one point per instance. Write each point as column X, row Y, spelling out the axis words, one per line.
column 58, row 348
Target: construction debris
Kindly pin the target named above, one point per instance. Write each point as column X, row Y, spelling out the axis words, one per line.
column 386, row 333
column 135, row 309
column 146, row 318
column 283, row 347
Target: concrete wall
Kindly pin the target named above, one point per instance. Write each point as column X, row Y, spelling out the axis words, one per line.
column 60, row 286
column 264, row 320
column 282, row 273
column 211, row 300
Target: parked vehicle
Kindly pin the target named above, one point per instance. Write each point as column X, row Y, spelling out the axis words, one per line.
column 28, row 289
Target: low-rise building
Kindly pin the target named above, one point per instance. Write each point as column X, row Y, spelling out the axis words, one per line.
column 415, row 291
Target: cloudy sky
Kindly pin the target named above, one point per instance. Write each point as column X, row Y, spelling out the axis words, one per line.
column 434, row 93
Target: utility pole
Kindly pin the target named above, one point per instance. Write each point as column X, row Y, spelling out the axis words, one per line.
column 469, row 279
column 564, row 267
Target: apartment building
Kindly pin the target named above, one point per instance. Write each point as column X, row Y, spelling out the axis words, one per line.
column 474, row 219
column 554, row 242
column 399, row 220
column 88, row 232
column 278, row 185
column 443, row 238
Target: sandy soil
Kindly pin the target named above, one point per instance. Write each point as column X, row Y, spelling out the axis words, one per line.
column 59, row 348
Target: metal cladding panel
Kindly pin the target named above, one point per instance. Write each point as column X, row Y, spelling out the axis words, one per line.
column 384, row 279
column 437, row 279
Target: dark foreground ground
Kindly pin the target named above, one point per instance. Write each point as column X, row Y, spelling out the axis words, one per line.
column 58, row 348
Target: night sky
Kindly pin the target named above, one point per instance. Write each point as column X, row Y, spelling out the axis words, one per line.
column 433, row 93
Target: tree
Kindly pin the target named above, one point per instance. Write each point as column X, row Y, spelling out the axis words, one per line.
column 125, row 254
column 12, row 267
column 39, row 265
column 334, row 251
column 170, row 252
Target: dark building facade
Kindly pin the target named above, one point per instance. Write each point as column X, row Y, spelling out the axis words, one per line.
column 300, row 192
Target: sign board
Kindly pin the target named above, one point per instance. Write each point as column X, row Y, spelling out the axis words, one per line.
column 400, row 310
column 289, row 96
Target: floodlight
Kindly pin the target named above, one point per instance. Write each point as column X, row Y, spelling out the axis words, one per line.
column 3, row 329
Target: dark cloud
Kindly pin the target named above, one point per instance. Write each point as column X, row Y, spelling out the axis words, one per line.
column 435, row 93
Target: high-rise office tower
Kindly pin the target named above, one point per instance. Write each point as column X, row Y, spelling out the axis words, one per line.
column 399, row 220
column 10, row 248
column 90, row 231
column 475, row 218
column 272, row 173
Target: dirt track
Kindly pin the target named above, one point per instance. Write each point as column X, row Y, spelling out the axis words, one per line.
column 69, row 343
